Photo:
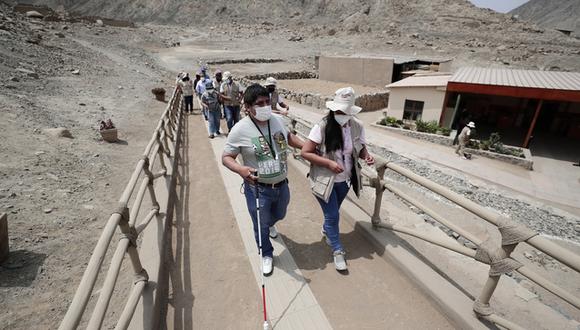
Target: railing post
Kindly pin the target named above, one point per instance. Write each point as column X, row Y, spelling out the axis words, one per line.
column 380, row 166
column 161, row 153
column 131, row 234
column 150, row 186
column 499, row 260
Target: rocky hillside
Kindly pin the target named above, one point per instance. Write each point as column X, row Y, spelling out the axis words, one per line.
column 371, row 12
column 440, row 28
column 561, row 14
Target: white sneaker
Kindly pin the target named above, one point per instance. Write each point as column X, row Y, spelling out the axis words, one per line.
column 267, row 265
column 273, row 232
column 325, row 237
column 339, row 261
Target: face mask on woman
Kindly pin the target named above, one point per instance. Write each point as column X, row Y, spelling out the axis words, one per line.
column 263, row 113
column 342, row 119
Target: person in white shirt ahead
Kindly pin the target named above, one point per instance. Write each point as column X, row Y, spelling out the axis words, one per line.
column 333, row 149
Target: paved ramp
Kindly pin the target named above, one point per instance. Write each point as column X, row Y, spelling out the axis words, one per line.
column 216, row 266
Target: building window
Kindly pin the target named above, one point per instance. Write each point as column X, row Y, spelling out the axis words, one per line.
column 413, row 109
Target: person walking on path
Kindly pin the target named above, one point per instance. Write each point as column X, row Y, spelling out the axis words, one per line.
column 210, row 101
column 262, row 139
column 333, row 148
column 231, row 95
column 187, row 89
column 463, row 139
column 200, row 89
column 276, row 100
column 217, row 83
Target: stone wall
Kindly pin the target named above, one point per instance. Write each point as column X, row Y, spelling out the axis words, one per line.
column 526, row 162
column 369, row 102
column 433, row 138
column 246, row 60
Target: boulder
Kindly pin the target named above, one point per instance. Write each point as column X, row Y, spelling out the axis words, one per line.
column 58, row 132
column 99, row 22
column 34, row 14
column 29, row 73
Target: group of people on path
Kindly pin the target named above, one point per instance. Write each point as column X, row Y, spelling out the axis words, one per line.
column 220, row 97
column 333, row 149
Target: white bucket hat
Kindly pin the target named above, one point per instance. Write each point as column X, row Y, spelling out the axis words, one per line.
column 271, row 81
column 227, row 75
column 471, row 124
column 344, row 101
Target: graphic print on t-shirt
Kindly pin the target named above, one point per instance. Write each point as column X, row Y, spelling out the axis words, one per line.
column 270, row 166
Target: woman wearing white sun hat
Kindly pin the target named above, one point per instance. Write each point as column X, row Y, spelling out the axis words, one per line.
column 333, row 149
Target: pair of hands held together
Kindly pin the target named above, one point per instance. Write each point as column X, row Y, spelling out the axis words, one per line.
column 336, row 168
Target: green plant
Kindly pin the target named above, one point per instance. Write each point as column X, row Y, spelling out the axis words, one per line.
column 472, row 144
column 494, row 139
column 445, row 131
column 484, row 144
column 392, row 121
column 422, row 126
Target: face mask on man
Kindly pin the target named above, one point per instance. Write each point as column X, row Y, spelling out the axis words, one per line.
column 342, row 119
column 271, row 89
column 263, row 113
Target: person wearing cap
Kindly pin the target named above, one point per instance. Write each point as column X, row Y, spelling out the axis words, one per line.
column 231, row 95
column 275, row 99
column 217, row 83
column 333, row 148
column 464, row 137
column 262, row 139
column 200, row 89
column 210, row 101
column 187, row 89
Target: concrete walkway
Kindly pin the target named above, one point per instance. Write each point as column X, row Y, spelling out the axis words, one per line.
column 558, row 183
column 218, row 262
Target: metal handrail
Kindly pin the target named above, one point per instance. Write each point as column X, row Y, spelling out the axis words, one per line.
column 158, row 149
column 498, row 257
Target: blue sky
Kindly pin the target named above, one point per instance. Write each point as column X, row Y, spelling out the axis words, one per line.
column 503, row 6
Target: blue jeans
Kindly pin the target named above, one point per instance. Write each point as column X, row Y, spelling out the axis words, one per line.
column 273, row 205
column 232, row 115
column 214, row 121
column 332, row 215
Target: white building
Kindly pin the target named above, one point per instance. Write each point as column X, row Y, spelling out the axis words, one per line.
column 418, row 97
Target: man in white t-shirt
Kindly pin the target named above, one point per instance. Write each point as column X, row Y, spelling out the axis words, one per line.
column 261, row 138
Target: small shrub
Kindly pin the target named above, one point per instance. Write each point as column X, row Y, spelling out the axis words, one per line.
column 400, row 122
column 472, row 144
column 421, row 125
column 484, row 144
column 392, row 121
column 445, row 131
